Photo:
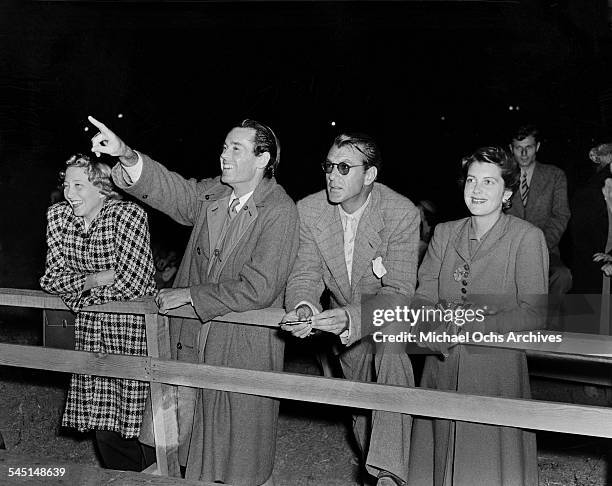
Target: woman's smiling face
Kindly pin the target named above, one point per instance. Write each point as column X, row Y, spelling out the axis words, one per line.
column 484, row 189
column 84, row 198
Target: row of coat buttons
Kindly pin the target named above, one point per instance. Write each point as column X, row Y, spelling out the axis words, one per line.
column 464, row 281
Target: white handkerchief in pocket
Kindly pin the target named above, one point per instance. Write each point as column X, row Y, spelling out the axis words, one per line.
column 378, row 268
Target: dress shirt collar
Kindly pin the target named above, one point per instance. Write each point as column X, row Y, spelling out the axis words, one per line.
column 356, row 216
column 241, row 200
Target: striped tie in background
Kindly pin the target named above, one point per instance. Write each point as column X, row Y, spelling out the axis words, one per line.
column 524, row 188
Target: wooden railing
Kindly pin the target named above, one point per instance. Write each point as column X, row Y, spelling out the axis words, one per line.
column 161, row 372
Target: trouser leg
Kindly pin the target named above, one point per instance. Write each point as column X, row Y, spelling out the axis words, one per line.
column 559, row 284
column 118, row 452
column 383, row 436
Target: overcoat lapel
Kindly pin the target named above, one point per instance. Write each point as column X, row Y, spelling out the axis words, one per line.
column 330, row 239
column 462, row 241
column 367, row 240
column 215, row 216
column 239, row 227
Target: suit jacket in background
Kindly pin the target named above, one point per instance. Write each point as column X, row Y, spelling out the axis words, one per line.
column 388, row 228
column 547, row 204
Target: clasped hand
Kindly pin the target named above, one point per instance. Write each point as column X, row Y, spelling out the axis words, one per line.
column 105, row 277
column 301, row 322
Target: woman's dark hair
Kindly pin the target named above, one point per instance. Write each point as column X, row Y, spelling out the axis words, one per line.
column 98, row 173
column 510, row 171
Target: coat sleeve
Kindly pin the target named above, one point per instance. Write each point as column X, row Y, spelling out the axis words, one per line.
column 560, row 212
column 165, row 190
column 133, row 261
column 262, row 278
column 531, row 278
column 306, row 279
column 58, row 277
column 399, row 283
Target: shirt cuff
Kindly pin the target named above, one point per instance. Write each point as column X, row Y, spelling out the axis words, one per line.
column 346, row 334
column 133, row 172
column 313, row 309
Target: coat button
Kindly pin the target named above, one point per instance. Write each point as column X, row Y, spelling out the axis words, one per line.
column 466, row 266
column 198, row 250
column 207, row 197
column 463, row 291
column 464, row 282
column 179, row 346
column 144, row 196
column 246, row 207
column 216, row 252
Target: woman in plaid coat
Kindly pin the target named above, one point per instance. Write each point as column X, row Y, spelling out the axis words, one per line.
column 98, row 252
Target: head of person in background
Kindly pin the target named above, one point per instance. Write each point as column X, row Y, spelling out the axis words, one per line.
column 87, row 184
column 351, row 167
column 251, row 151
column 602, row 156
column 489, row 176
column 525, row 145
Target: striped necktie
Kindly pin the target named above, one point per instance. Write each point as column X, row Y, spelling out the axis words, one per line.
column 232, row 208
column 524, row 188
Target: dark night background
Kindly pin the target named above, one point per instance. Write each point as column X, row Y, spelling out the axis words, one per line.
column 432, row 80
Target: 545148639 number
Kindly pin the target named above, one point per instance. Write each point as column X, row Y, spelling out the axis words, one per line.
column 36, row 471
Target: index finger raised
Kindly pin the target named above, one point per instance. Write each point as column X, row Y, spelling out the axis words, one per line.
column 98, row 124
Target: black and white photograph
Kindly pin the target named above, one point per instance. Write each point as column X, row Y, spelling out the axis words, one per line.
column 306, row 242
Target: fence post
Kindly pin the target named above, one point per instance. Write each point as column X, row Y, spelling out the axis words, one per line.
column 604, row 313
column 163, row 400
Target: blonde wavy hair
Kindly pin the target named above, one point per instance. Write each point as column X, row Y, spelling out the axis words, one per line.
column 98, row 173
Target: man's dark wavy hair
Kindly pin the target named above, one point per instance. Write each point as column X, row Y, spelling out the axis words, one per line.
column 265, row 141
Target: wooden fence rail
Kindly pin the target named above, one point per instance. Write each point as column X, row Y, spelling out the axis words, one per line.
column 161, row 372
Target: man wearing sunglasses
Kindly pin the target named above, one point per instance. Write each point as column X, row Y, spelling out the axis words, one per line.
column 358, row 237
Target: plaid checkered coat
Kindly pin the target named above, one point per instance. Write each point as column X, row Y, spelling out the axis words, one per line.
column 117, row 239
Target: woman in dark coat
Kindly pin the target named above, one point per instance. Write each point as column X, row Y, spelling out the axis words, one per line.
column 498, row 263
column 98, row 252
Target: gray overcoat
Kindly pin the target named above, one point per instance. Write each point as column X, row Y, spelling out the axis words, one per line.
column 223, row 436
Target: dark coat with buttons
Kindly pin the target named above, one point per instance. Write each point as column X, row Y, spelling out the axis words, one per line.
column 232, row 435
column 508, row 272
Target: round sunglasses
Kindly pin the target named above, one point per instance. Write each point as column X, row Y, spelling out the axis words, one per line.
column 343, row 167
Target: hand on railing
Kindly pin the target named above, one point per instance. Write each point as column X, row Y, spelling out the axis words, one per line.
column 167, row 299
